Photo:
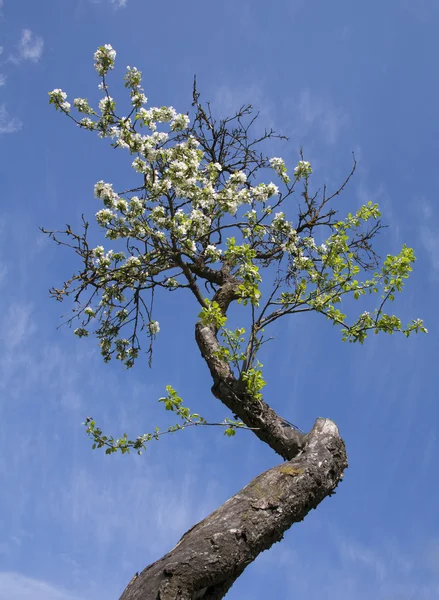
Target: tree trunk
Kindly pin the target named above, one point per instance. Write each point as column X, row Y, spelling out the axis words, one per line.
column 212, row 555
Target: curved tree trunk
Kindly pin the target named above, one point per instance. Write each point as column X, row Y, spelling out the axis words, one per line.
column 212, row 555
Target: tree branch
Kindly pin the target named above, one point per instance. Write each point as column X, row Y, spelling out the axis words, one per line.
column 268, row 426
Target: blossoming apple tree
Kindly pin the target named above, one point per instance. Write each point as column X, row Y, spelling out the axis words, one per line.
column 206, row 218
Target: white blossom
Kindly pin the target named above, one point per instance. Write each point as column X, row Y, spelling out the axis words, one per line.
column 171, row 283
column 303, row 169
column 122, row 205
column 158, row 215
column 87, row 123
column 135, row 207
column 104, row 216
column 190, row 246
column 272, row 189
column 133, row 77
column 180, row 122
column 213, row 252
column 133, row 261
column 277, row 164
column 154, row 327
column 251, row 216
column 263, row 191
column 98, row 251
column 302, row 262
column 161, row 115
column 82, row 105
column 199, row 222
column 58, row 98
column 104, row 59
column 139, row 165
column 106, row 104
column 278, row 221
column 138, row 99
column 104, row 191
column 309, row 242
column 238, row 178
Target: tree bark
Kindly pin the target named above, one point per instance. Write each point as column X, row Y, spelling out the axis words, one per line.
column 267, row 425
column 212, row 555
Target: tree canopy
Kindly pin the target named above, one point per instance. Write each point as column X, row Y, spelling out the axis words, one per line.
column 207, row 217
column 203, row 219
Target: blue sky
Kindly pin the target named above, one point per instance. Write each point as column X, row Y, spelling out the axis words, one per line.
column 335, row 77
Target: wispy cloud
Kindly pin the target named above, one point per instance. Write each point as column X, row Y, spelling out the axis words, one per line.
column 31, row 46
column 228, row 99
column 81, row 5
column 429, row 234
column 430, row 241
column 17, row 325
column 354, row 553
column 15, row 586
column 2, row 79
column 317, row 111
column 3, row 272
column 8, row 124
column 345, row 568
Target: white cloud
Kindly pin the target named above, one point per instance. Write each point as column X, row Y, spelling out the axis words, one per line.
column 430, row 241
column 31, row 46
column 81, row 5
column 164, row 509
column 228, row 99
column 15, row 586
column 3, row 272
column 334, row 565
column 318, row 111
column 2, row 79
column 17, row 325
column 8, row 124
column 429, row 233
column 352, row 552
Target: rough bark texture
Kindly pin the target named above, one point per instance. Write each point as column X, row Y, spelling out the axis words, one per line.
column 213, row 554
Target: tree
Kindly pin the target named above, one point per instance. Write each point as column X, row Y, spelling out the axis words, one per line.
column 203, row 220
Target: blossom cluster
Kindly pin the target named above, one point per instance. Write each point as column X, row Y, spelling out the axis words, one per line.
column 59, row 99
column 187, row 198
column 179, row 169
column 278, row 165
column 104, row 59
column 303, row 169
